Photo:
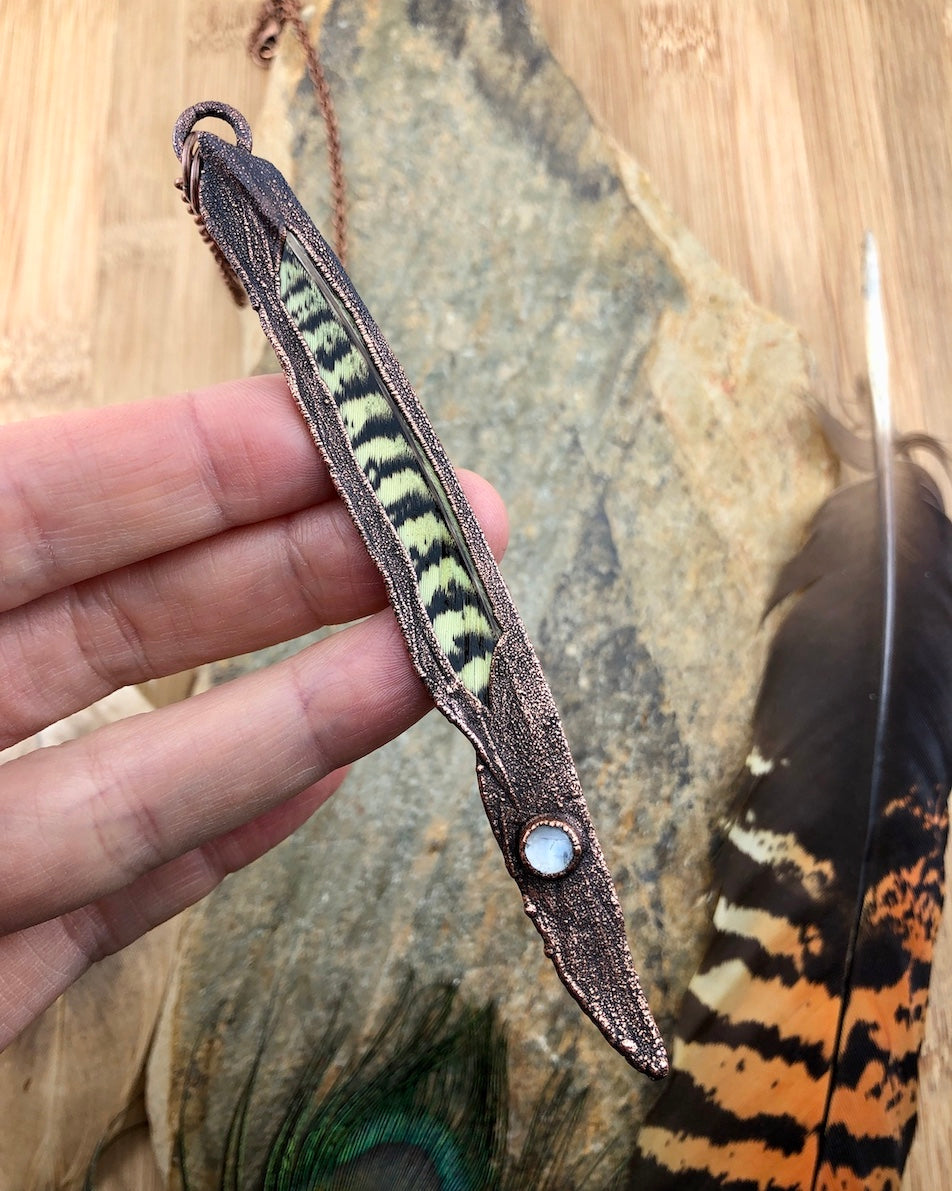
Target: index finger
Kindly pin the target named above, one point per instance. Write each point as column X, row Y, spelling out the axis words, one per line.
column 89, row 491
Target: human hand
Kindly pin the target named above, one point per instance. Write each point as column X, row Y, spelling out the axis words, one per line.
column 137, row 541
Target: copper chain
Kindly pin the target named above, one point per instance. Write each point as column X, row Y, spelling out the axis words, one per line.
column 272, row 17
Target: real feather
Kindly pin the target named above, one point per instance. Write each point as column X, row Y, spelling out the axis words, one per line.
column 797, row 1046
column 422, row 1106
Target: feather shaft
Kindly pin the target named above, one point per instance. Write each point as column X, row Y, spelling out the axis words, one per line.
column 877, row 367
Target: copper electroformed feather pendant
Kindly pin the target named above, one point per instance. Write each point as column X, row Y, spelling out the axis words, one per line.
column 462, row 630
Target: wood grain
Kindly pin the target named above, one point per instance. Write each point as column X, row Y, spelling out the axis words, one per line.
column 779, row 131
column 101, row 277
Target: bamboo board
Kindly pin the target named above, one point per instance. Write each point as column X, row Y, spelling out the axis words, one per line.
column 779, row 131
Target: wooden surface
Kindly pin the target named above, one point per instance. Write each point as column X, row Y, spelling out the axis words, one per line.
column 104, row 291
column 778, row 130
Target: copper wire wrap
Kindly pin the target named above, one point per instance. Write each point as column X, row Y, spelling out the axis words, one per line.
column 188, row 185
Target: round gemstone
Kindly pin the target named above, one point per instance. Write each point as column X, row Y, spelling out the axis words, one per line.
column 550, row 849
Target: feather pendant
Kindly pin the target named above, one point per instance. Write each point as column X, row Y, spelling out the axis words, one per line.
column 422, row 1107
column 796, row 1051
column 462, row 631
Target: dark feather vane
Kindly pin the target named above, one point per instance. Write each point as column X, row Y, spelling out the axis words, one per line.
column 796, row 1052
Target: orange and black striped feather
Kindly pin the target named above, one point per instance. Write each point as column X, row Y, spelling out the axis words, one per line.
column 797, row 1047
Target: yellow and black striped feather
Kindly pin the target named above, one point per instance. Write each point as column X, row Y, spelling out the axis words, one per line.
column 404, row 485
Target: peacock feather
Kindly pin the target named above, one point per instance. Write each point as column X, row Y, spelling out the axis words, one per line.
column 422, row 1106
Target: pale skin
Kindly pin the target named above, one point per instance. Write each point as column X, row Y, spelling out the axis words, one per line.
column 138, row 541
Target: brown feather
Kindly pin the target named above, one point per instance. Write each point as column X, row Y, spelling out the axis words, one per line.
column 797, row 1046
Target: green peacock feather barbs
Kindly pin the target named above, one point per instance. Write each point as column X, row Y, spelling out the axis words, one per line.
column 462, row 630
